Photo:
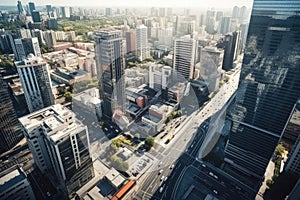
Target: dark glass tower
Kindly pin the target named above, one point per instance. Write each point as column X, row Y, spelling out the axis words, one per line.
column 10, row 128
column 110, row 50
column 268, row 89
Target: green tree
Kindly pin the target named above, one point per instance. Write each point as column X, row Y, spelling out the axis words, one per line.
column 269, row 182
column 149, row 142
column 68, row 96
column 137, row 136
column 118, row 163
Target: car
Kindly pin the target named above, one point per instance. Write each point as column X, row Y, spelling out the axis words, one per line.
column 160, row 171
column 172, row 166
column 166, row 178
column 215, row 191
column 203, row 165
column 161, row 189
column 211, row 174
column 162, row 178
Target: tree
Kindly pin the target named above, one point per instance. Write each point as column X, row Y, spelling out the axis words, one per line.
column 269, row 182
column 149, row 142
column 68, row 95
column 118, row 163
column 137, row 136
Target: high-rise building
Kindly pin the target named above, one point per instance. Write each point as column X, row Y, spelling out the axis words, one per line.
column 169, row 11
column 110, row 50
column 108, row 12
column 162, row 12
column 65, row 12
column 268, row 90
column 20, row 7
column 48, row 8
column 26, row 46
column 52, row 23
column 130, row 41
column 211, row 60
column 31, row 7
column 36, row 17
column 39, row 35
column 60, row 147
column 225, row 25
column 230, row 44
column 235, row 12
column 14, row 184
column 141, row 43
column 184, row 56
column 10, row 128
column 36, row 82
column 293, row 163
column 50, row 38
column 23, row 33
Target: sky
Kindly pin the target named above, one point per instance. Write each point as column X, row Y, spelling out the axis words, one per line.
column 137, row 3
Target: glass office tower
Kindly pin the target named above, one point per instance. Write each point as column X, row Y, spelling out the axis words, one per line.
column 268, row 89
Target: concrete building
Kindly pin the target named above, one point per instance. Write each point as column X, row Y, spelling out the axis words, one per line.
column 141, row 43
column 14, row 184
column 159, row 76
column 60, row 147
column 36, row 82
column 23, row 33
column 225, row 25
column 10, row 129
column 184, row 56
column 210, row 66
column 65, row 12
column 130, row 41
column 110, row 50
column 27, row 46
column 157, row 116
column 50, row 39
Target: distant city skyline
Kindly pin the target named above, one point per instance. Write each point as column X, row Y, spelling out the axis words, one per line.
column 137, row 3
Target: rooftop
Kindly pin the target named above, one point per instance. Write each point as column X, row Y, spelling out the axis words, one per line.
column 11, row 177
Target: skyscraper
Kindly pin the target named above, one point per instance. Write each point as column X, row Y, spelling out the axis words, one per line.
column 130, row 41
column 10, row 128
column 26, row 46
column 31, row 7
column 20, row 7
column 36, row 17
column 50, row 38
column 36, row 82
column 110, row 50
column 184, row 56
column 141, row 43
column 231, row 49
column 60, row 147
column 225, row 25
column 268, row 89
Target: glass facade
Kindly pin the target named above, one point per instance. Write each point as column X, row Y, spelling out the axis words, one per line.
column 110, row 49
column 268, row 89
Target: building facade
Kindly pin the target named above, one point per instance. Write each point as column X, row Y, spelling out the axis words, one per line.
column 110, row 50
column 26, row 46
column 268, row 90
column 141, row 43
column 36, row 82
column 10, row 128
column 60, row 146
column 184, row 56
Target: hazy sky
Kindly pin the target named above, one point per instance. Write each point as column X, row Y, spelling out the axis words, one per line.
column 137, row 3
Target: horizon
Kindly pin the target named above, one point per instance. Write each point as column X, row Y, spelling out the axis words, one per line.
column 141, row 4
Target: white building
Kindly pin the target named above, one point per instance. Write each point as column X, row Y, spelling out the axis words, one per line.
column 159, row 76
column 184, row 56
column 142, row 49
column 36, row 82
column 60, row 147
column 50, row 38
column 15, row 185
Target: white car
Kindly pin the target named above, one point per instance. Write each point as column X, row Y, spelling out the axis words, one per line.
column 162, row 178
column 161, row 189
column 160, row 171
